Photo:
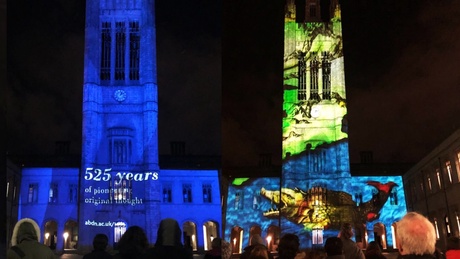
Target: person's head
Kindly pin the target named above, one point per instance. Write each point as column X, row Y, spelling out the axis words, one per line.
column 453, row 243
column 373, row 248
column 100, row 242
column 256, row 239
column 333, row 246
column 226, row 250
column 25, row 229
column 346, row 232
column 259, row 252
column 415, row 235
column 133, row 241
column 216, row 243
column 169, row 233
column 288, row 246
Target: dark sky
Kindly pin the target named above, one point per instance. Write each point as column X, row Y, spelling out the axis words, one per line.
column 220, row 69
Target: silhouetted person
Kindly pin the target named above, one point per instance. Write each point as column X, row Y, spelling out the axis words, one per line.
column 100, row 243
column 26, row 242
column 168, row 244
column 216, row 249
column 133, row 244
column 373, row 251
column 334, row 248
column 453, row 248
column 259, row 252
column 226, row 249
column 350, row 248
column 416, row 237
column 288, row 247
column 256, row 239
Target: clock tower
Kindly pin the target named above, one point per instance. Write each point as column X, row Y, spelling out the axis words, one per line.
column 119, row 174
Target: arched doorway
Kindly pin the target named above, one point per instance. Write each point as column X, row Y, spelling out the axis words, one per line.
column 118, row 230
column 209, row 233
column 394, row 231
column 189, row 232
column 236, row 238
column 255, row 230
column 70, row 234
column 50, row 233
column 273, row 237
column 361, row 235
column 380, row 235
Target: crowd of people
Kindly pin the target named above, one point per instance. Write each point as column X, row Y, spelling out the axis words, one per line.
column 415, row 239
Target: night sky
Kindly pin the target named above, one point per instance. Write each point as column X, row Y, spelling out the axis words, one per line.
column 220, row 76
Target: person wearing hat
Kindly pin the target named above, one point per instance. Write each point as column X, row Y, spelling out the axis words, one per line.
column 26, row 242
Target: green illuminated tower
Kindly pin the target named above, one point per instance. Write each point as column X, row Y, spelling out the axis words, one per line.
column 315, row 145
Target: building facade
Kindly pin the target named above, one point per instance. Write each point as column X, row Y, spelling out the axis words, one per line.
column 316, row 193
column 432, row 188
column 120, row 183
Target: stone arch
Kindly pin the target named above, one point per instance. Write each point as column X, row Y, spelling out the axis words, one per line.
column 273, row 237
column 70, row 234
column 380, row 235
column 236, row 239
column 254, row 230
column 210, row 231
column 189, row 232
column 50, row 234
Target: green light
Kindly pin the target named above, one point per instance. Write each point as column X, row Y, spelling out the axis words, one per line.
column 239, row 181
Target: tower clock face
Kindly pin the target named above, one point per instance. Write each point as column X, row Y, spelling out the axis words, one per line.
column 119, row 95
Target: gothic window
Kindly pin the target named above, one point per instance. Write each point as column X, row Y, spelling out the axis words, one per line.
column 53, row 193
column 428, row 178
column 187, row 193
column 125, row 48
column 326, row 69
column 446, row 220
column 33, row 193
column 73, row 192
column 314, row 66
column 106, row 41
column 312, row 10
column 458, row 166
column 122, row 190
column 302, row 84
column 207, row 190
column 134, row 50
column 120, row 145
column 167, row 193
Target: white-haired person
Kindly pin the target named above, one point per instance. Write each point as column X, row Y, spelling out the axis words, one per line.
column 415, row 237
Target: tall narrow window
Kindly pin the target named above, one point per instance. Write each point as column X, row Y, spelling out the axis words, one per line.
column 33, row 193
column 312, row 10
column 134, row 50
column 314, row 66
column 438, row 177
column 436, row 228
column 120, row 46
column 458, row 166
column 122, row 190
column 457, row 218
column 326, row 69
column 106, row 41
column 428, row 178
column 120, row 145
column 167, row 193
column 446, row 219
column 73, row 192
column 207, row 190
column 449, row 171
column 187, row 193
column 302, row 84
column 53, row 193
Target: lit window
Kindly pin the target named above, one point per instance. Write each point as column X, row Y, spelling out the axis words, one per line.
column 118, row 231
column 33, row 193
column 207, row 190
column 317, row 236
column 122, row 190
column 7, row 188
column 326, row 67
column 187, row 193
column 449, row 171
column 438, row 177
column 314, row 75
column 446, row 219
column 53, row 193
column 436, row 228
column 429, row 182
column 457, row 218
column 458, row 166
column 167, row 193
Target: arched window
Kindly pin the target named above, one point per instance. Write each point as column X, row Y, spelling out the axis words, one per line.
column 236, row 238
column 118, row 230
column 50, row 234
column 71, row 232
column 273, row 236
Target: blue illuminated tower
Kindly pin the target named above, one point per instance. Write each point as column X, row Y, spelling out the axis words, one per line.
column 119, row 171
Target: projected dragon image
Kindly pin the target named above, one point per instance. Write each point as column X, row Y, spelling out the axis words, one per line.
column 315, row 207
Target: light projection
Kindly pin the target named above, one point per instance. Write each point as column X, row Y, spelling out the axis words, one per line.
column 316, row 193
